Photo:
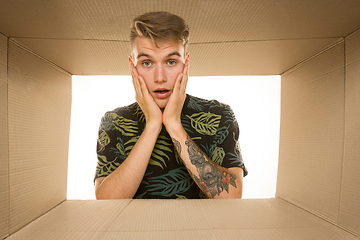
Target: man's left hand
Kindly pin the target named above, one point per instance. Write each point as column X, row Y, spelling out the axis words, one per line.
column 172, row 111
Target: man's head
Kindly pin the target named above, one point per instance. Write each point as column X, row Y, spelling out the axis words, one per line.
column 158, row 43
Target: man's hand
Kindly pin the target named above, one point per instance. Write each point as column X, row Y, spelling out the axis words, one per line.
column 151, row 110
column 172, row 113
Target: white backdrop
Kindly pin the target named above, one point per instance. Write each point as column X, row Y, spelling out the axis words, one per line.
column 255, row 101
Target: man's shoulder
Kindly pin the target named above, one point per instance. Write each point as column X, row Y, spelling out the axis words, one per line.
column 131, row 113
column 128, row 110
column 201, row 110
column 123, row 119
column 201, row 104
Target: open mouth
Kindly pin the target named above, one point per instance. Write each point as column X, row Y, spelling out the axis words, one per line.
column 161, row 91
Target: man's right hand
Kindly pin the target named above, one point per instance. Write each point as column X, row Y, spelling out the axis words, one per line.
column 151, row 110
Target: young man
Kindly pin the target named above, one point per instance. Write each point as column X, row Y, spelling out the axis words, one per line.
column 167, row 144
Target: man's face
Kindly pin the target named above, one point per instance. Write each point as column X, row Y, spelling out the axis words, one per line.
column 159, row 66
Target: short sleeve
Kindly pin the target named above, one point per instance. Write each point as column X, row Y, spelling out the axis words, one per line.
column 226, row 148
column 109, row 150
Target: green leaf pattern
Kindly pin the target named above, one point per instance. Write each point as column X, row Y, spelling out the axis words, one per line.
column 161, row 151
column 176, row 181
column 205, row 123
column 126, row 126
column 220, row 137
column 104, row 167
column 218, row 155
column 104, row 139
column 195, row 104
column 140, row 114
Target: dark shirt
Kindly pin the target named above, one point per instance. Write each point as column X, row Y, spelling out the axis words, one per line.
column 210, row 124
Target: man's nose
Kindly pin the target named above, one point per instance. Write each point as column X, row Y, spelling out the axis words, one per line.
column 160, row 75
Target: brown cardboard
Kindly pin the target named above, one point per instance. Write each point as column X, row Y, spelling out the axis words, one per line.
column 253, row 54
column 311, row 133
column 39, row 98
column 332, row 190
column 215, row 21
column 83, row 53
column 263, row 37
column 180, row 219
column 4, row 150
column 319, row 146
column 349, row 215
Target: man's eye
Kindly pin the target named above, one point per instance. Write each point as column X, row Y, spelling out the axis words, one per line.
column 171, row 62
column 146, row 64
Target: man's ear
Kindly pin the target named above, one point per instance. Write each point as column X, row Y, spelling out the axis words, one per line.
column 187, row 58
column 131, row 58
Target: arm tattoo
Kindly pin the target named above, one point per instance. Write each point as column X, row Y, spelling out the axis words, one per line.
column 213, row 179
column 177, row 145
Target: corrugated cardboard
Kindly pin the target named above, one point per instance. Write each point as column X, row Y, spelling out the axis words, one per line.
column 83, row 54
column 262, row 37
column 320, row 129
column 349, row 215
column 180, row 219
column 39, row 98
column 4, row 150
column 253, row 54
column 311, row 133
column 210, row 21
column 319, row 148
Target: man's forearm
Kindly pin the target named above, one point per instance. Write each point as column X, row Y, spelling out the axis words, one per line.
column 126, row 179
column 214, row 180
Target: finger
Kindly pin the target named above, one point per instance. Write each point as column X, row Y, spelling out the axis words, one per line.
column 143, row 87
column 139, row 81
column 136, row 85
column 184, row 78
column 135, row 78
column 135, row 81
column 178, row 81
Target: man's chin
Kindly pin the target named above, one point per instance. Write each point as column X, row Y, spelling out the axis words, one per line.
column 162, row 105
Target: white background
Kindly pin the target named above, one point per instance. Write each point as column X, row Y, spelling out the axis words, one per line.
column 255, row 101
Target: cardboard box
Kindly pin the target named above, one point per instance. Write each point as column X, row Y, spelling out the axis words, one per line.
column 318, row 160
column 318, row 181
column 38, row 120
column 166, row 219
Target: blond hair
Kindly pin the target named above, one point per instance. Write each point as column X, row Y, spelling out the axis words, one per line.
column 160, row 26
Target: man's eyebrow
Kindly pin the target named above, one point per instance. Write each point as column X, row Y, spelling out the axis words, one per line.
column 143, row 55
column 174, row 53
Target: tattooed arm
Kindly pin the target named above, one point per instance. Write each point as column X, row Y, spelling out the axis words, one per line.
column 214, row 180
